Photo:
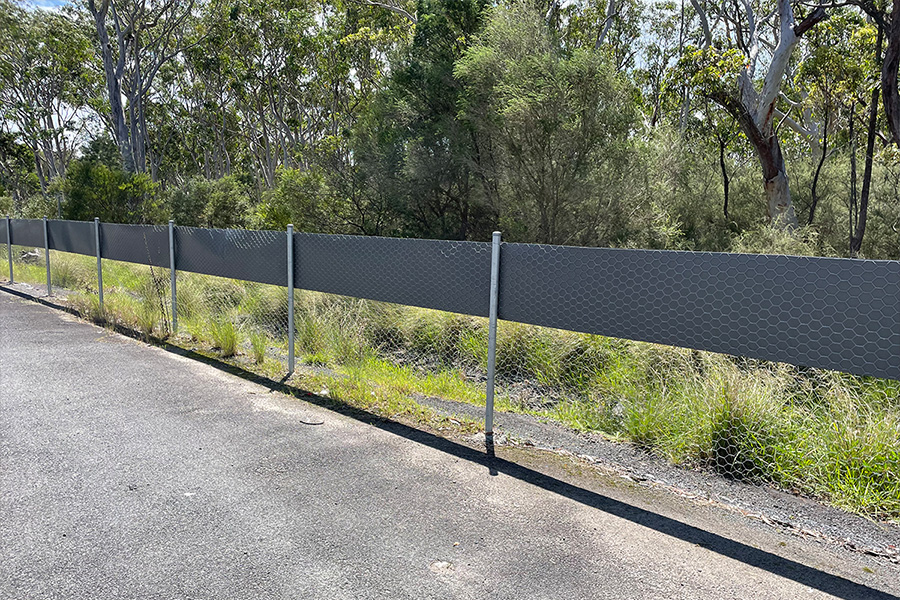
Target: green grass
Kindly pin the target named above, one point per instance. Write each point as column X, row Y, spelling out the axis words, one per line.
column 822, row 433
column 224, row 336
column 258, row 343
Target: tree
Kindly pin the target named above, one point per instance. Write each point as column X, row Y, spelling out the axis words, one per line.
column 147, row 34
column 44, row 85
column 557, row 119
column 729, row 77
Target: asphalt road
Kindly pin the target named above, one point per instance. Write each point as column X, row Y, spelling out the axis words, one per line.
column 127, row 471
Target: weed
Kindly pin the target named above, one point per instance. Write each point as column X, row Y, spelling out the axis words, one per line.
column 224, row 336
column 258, row 344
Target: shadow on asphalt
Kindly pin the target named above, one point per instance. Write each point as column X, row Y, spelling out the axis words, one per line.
column 783, row 567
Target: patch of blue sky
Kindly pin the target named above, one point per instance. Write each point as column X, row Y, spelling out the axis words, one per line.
column 48, row 4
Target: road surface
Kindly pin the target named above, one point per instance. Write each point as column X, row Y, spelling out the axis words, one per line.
column 128, row 471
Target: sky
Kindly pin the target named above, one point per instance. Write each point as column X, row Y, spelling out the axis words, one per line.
column 47, row 3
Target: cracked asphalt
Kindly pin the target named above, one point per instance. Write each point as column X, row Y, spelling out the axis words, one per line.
column 127, row 471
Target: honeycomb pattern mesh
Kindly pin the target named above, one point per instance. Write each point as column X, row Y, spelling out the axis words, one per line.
column 259, row 256
column 828, row 313
column 368, row 326
column 818, row 312
column 443, row 275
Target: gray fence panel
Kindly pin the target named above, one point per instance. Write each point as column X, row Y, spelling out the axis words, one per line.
column 72, row 236
column 28, row 232
column 444, row 275
column 259, row 256
column 141, row 244
column 829, row 313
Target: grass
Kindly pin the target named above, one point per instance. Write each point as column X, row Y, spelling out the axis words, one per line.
column 224, row 336
column 822, row 433
column 258, row 344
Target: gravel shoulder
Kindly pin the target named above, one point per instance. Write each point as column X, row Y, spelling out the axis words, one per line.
column 786, row 512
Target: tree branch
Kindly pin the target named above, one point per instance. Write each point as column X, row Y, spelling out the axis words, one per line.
column 395, row 9
column 811, row 20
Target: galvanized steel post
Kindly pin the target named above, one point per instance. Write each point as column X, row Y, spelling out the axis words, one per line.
column 9, row 247
column 290, row 291
column 172, row 276
column 47, row 255
column 99, row 261
column 492, row 339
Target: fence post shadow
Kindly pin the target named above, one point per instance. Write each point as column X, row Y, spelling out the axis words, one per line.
column 835, row 585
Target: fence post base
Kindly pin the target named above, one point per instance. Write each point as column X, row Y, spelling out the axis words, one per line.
column 99, row 264
column 172, row 276
column 9, row 248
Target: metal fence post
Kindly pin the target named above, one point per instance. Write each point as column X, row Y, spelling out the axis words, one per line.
column 47, row 255
column 172, row 276
column 99, row 261
column 9, row 247
column 290, row 291
column 492, row 339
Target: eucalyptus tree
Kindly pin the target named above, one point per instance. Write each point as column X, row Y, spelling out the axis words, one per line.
column 742, row 69
column 44, row 85
column 836, row 78
column 135, row 38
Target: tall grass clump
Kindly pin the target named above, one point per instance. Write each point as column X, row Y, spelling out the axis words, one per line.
column 72, row 272
column 258, row 345
column 224, row 336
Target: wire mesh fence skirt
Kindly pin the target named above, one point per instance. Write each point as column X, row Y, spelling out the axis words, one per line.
column 824, row 433
column 137, row 297
column 29, row 264
column 72, row 273
column 259, row 256
column 828, row 313
column 239, row 320
column 27, row 232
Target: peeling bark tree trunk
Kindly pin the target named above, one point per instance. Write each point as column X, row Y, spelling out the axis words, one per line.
column 890, row 67
column 781, row 209
column 755, row 110
column 113, row 68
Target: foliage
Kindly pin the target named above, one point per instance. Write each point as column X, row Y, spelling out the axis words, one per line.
column 200, row 202
column 94, row 189
column 557, row 120
column 589, row 124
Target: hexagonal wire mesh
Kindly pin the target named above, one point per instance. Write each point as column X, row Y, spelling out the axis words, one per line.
column 817, row 431
column 805, row 429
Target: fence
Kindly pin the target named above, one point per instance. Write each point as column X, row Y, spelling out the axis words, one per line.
column 837, row 314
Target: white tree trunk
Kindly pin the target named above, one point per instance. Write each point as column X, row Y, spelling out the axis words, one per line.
column 781, row 209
